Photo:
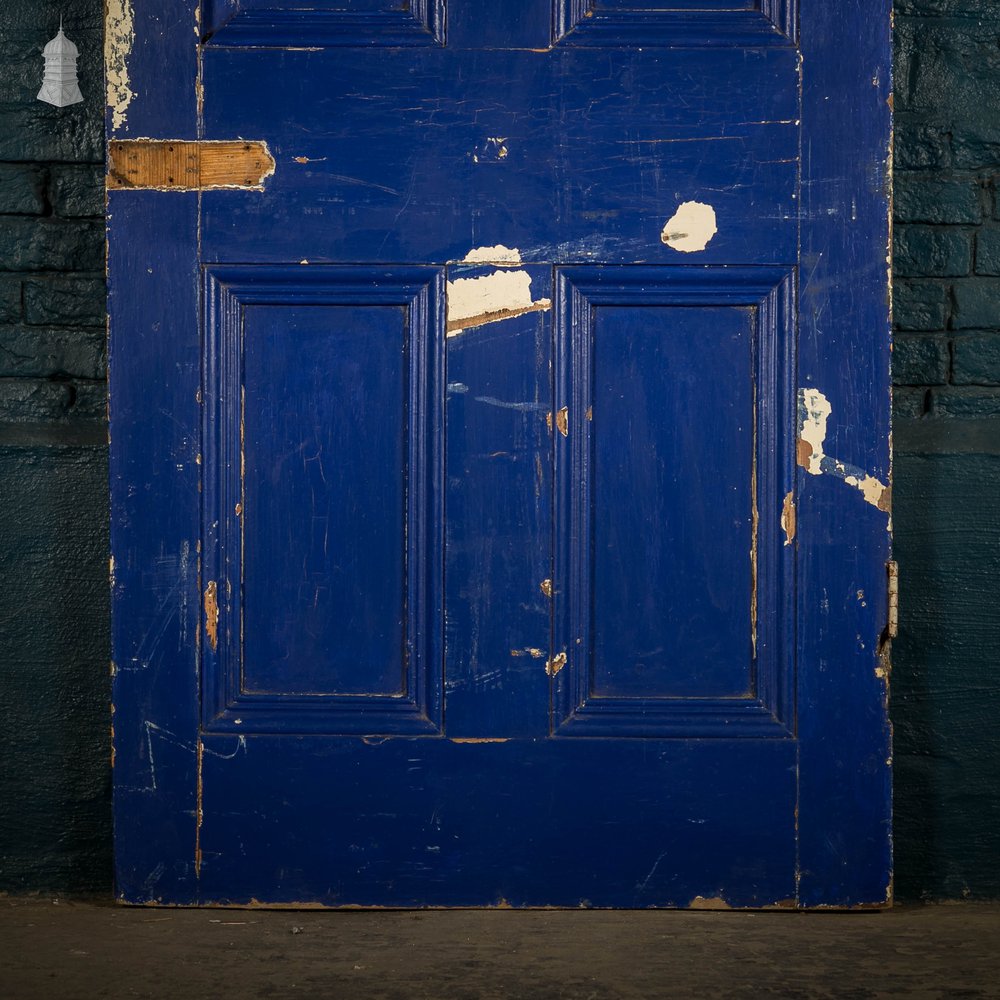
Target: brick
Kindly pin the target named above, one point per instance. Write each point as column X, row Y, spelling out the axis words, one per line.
column 977, row 304
column 988, row 251
column 78, row 190
column 22, row 189
column 948, row 8
column 920, row 145
column 26, row 400
column 919, row 305
column 920, row 251
column 44, row 15
column 50, row 245
column 65, row 301
column 965, row 402
column 975, row 143
column 977, row 358
column 43, row 351
column 937, row 200
column 920, row 360
column 90, row 401
column 958, row 68
column 908, row 403
column 10, row 300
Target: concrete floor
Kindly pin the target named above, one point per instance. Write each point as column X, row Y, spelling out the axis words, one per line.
column 60, row 949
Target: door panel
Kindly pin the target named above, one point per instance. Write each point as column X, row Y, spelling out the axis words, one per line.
column 675, row 22
column 385, row 157
column 487, row 525
column 324, row 445
column 671, row 578
column 670, row 615
column 281, row 23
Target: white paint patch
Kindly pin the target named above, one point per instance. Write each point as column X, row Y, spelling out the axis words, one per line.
column 493, row 255
column 691, row 228
column 815, row 411
column 490, row 298
column 119, row 34
column 869, row 487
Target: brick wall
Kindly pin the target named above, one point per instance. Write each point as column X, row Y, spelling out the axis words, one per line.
column 946, row 256
column 55, row 818
column 946, row 368
column 53, row 507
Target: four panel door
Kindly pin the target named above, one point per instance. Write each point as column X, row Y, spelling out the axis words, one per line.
column 499, row 472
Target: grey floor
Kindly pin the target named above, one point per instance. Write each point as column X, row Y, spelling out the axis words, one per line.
column 63, row 949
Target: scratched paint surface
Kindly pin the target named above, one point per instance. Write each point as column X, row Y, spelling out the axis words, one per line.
column 515, row 448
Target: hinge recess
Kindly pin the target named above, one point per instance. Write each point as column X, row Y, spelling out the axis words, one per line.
column 892, row 623
column 168, row 165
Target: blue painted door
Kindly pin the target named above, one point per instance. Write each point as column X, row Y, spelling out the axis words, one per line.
column 500, row 481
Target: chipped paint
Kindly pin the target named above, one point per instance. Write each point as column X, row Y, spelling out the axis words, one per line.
column 691, row 228
column 499, row 254
column 546, row 587
column 814, row 412
column 480, row 739
column 119, row 35
column 554, row 664
column 892, row 610
column 562, row 421
column 788, row 517
column 212, row 613
column 532, row 651
column 199, row 808
column 708, row 903
column 490, row 298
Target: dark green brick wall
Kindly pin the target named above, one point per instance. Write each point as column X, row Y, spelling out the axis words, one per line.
column 54, row 773
column 55, row 816
column 946, row 368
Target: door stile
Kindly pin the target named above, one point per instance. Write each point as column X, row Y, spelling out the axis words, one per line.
column 154, row 362
column 843, row 494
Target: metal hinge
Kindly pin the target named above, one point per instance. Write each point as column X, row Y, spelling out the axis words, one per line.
column 169, row 165
column 892, row 623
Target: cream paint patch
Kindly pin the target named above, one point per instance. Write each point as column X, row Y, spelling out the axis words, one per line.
column 814, row 410
column 489, row 299
column 119, row 34
column 691, row 228
column 814, row 413
column 493, row 255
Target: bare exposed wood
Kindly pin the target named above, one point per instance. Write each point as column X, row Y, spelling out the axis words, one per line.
column 165, row 165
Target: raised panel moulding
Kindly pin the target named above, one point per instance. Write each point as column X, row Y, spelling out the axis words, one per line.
column 586, row 22
column 231, row 292
column 273, row 24
column 580, row 707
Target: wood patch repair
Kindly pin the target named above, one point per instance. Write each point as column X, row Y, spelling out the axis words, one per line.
column 166, row 165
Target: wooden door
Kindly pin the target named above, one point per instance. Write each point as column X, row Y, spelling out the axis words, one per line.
column 499, row 428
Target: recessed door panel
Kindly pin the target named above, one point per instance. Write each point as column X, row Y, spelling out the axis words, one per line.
column 323, row 448
column 279, row 23
column 675, row 22
column 671, row 578
column 672, row 508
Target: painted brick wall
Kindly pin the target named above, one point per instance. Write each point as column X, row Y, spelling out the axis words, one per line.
column 54, row 722
column 946, row 364
column 55, row 818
